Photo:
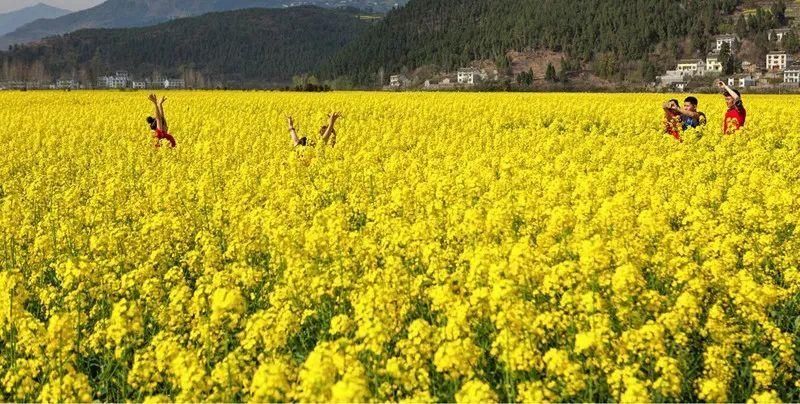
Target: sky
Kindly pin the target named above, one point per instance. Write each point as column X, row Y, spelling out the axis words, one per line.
column 74, row 5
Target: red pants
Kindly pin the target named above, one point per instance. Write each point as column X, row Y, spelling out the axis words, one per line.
column 165, row 136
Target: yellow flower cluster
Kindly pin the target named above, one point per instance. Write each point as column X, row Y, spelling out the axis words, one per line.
column 451, row 247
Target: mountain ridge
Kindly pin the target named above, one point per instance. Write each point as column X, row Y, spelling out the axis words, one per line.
column 12, row 20
column 139, row 13
column 241, row 46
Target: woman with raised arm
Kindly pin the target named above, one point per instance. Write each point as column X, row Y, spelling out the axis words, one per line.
column 327, row 132
column 158, row 125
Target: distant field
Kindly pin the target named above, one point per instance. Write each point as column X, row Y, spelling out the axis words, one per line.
column 451, row 247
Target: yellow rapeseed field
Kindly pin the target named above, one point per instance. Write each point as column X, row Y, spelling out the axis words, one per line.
column 451, row 247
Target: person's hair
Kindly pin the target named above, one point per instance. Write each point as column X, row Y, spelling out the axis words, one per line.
column 691, row 100
column 152, row 122
column 677, row 104
column 735, row 91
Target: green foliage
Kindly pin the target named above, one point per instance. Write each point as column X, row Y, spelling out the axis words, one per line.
column 451, row 33
column 257, row 46
column 525, row 78
column 791, row 43
column 550, row 74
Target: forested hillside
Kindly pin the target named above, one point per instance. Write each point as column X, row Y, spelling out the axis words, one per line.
column 140, row 13
column 254, row 45
column 451, row 33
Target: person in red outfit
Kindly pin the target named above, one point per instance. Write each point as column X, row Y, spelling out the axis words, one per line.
column 158, row 125
column 672, row 119
column 736, row 114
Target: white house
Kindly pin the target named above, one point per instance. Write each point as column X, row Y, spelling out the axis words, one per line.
column 680, row 86
column 713, row 65
column 469, row 76
column 140, row 85
column 692, row 67
column 741, row 82
column 66, row 84
column 672, row 77
column 398, row 80
column 778, row 34
column 778, row 60
column 792, row 75
column 728, row 38
column 112, row 82
column 174, row 83
column 747, row 81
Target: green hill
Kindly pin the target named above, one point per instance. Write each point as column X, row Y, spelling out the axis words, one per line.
column 249, row 47
column 452, row 33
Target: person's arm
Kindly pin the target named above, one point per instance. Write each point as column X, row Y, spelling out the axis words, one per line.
column 668, row 113
column 163, row 115
column 686, row 112
column 292, row 132
column 727, row 89
column 329, row 130
column 159, row 120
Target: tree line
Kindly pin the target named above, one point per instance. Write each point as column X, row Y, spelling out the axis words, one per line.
column 611, row 35
column 252, row 47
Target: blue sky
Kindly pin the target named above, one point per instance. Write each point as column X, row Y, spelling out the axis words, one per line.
column 11, row 5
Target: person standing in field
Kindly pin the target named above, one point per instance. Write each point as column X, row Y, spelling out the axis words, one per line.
column 690, row 117
column 327, row 132
column 736, row 114
column 158, row 125
column 672, row 119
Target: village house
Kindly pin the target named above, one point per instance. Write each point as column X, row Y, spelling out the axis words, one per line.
column 713, row 65
column 398, row 80
column 469, row 76
column 174, row 83
column 671, row 77
column 742, row 81
column 680, row 86
column 692, row 67
column 140, row 85
column 118, row 80
column 67, row 85
column 778, row 34
column 778, row 60
column 792, row 75
column 727, row 38
column 751, row 68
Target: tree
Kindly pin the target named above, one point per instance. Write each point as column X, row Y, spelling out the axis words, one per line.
column 563, row 71
column 550, row 74
column 779, row 13
column 648, row 71
column 724, row 54
column 791, row 43
column 741, row 26
column 525, row 78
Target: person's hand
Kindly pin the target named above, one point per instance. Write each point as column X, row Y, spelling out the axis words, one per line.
column 153, row 98
column 334, row 116
column 291, row 122
column 720, row 84
column 163, row 100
